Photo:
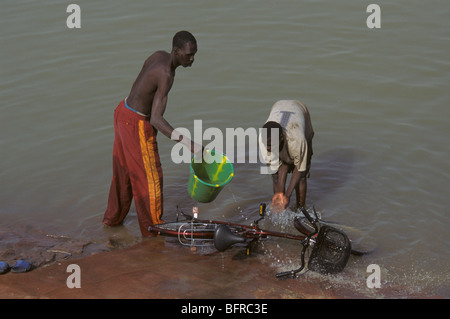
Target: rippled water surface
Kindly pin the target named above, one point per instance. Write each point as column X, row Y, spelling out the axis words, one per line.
column 378, row 99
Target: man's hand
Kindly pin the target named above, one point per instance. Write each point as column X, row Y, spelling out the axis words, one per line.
column 279, row 202
column 197, row 149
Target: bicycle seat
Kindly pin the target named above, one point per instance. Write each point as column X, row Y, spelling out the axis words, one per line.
column 224, row 238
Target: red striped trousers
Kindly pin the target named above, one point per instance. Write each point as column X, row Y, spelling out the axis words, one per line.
column 137, row 171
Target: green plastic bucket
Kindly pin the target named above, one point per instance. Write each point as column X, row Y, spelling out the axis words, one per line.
column 209, row 177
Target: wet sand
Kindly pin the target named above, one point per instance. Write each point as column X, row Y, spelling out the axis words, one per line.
column 147, row 270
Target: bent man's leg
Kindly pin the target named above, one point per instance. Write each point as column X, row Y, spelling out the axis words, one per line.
column 120, row 194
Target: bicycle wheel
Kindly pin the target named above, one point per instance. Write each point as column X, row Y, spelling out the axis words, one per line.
column 360, row 244
column 303, row 225
column 192, row 233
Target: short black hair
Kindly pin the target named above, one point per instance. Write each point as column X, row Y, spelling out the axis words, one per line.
column 181, row 38
column 270, row 125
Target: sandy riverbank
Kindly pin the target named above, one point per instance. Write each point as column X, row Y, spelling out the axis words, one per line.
column 147, row 270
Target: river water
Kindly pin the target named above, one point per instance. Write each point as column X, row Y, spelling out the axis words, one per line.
column 377, row 97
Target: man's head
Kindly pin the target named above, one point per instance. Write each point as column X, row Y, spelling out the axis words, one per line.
column 184, row 47
column 277, row 128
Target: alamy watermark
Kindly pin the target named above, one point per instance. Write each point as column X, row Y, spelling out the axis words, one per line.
column 74, row 280
column 179, row 154
column 373, row 21
column 238, row 144
column 73, row 21
column 374, row 279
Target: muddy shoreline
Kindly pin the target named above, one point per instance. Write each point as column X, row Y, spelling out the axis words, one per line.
column 146, row 270
column 115, row 269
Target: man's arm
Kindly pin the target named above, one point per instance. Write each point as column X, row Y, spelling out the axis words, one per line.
column 159, row 107
column 279, row 179
column 157, row 116
column 298, row 180
column 279, row 200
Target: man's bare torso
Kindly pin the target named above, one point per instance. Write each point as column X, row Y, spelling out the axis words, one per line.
column 156, row 70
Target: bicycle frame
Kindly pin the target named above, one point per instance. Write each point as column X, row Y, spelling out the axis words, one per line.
column 195, row 232
column 251, row 231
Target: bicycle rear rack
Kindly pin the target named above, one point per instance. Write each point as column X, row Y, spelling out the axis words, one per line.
column 186, row 235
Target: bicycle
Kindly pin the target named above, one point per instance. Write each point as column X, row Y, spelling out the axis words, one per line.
column 331, row 247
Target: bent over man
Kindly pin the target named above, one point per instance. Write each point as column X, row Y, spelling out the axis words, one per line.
column 137, row 171
column 292, row 121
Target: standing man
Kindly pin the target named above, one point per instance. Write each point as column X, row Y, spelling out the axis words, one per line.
column 292, row 121
column 137, row 171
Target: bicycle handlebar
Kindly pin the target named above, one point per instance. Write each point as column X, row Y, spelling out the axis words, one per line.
column 310, row 219
column 286, row 273
column 307, row 215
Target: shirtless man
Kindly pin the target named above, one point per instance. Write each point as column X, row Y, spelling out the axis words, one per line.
column 137, row 171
